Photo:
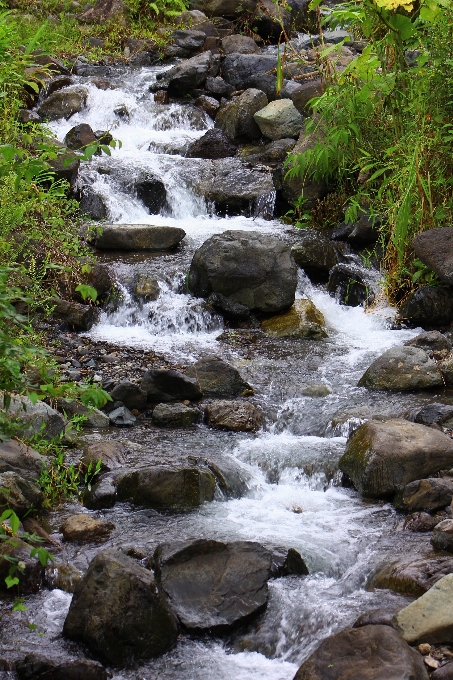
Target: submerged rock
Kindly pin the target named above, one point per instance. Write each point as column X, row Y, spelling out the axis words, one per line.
column 217, row 378
column 240, row 416
column 402, row 368
column 153, row 194
column 302, row 320
column 430, row 618
column 353, row 285
column 138, row 237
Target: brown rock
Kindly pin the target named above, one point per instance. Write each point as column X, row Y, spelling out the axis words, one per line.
column 240, row 416
column 412, row 577
column 84, row 528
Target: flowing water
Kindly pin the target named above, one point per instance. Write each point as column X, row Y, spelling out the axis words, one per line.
column 293, row 498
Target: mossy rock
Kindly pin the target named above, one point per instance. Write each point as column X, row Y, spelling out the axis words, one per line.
column 302, row 320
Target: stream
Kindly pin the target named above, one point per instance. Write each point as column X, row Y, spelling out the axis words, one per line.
column 294, row 497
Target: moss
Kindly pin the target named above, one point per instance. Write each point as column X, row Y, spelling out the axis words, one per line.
column 302, row 320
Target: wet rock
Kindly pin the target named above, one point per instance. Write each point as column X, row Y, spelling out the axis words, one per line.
column 353, row 285
column 31, row 580
column 296, row 186
column 79, row 137
column 77, row 316
column 365, row 231
column 288, row 563
column 425, row 494
column 232, row 480
column 84, row 529
column 214, row 586
column 138, row 237
column 253, row 269
column 207, row 104
column 20, row 458
column 162, row 384
column 39, row 667
column 382, row 457
column 430, row 618
column 236, row 118
column 443, row 673
column 36, row 418
column 238, row 68
column 122, row 417
column 93, row 417
column 218, row 87
column 271, row 154
column 446, row 368
column 130, row 394
column 92, row 205
column 153, row 194
column 101, row 495
column 66, row 165
column 19, row 494
column 189, row 74
column 301, row 93
column 442, row 537
column 420, row 521
column 165, row 488
column 377, row 617
column 58, row 83
column 161, row 97
column 302, row 320
column 402, row 368
column 63, row 104
column 105, row 11
column 239, row 416
column 146, row 287
column 269, row 19
column 213, row 144
column 239, row 44
column 230, row 310
column 51, row 63
column 279, row 120
column 368, row 653
column 434, row 248
column 25, row 117
column 175, row 415
column 190, row 39
column 315, row 254
column 431, row 341
column 428, row 305
column 63, row 576
column 412, row 577
column 119, row 612
column 217, row 378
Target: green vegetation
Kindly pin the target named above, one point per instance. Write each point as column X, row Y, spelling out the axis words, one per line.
column 385, row 127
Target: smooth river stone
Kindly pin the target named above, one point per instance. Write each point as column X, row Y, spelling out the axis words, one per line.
column 138, row 237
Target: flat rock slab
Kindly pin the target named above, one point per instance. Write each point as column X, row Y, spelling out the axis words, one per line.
column 402, row 368
column 435, row 249
column 214, row 586
column 368, row 653
column 138, row 237
column 430, row 618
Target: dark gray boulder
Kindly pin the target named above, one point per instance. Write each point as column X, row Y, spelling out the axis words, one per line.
column 217, row 378
column 402, row 368
column 302, row 93
column 370, row 653
column 270, row 154
column 153, row 194
column 237, row 68
column 166, row 488
column 435, row 249
column 288, row 563
column 363, row 232
column 425, row 494
column 130, row 394
column 428, row 306
column 138, row 237
column 40, row 667
column 77, row 316
column 189, row 74
column 122, row 417
column 435, row 413
column 21, row 459
column 253, row 269
column 315, row 254
column 353, row 285
column 162, row 384
column 175, row 415
column 119, row 612
column 218, row 87
column 236, row 117
column 239, row 44
column 63, row 104
column 79, row 137
column 92, row 205
column 214, row 586
column 188, row 39
column 66, row 165
column 19, row 494
column 214, row 144
column 230, row 310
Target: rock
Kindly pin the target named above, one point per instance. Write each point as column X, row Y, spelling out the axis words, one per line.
column 66, row 165
column 213, row 144
column 162, row 384
column 288, row 563
column 353, row 285
column 420, row 521
column 236, row 118
column 21, row 459
column 239, row 44
column 377, row 617
column 214, row 586
column 79, row 137
column 430, row 618
column 230, row 310
column 92, row 205
column 119, row 612
column 248, row 267
column 435, row 249
column 440, row 414
column 301, row 93
column 31, row 580
column 271, row 154
column 402, row 368
column 237, row 68
column 442, row 537
column 58, row 83
column 302, row 320
column 78, row 316
column 93, row 417
column 105, row 11
column 51, row 63
column 428, row 305
column 63, row 576
column 198, row 20
column 231, row 479
column 446, row 368
column 368, row 653
column 63, row 104
column 209, row 105
column 269, row 19
column 315, row 255
column 279, row 119
column 146, row 287
column 218, row 87
column 189, row 74
column 84, row 529
column 36, row 418
column 130, row 394
column 190, row 40
column 425, row 494
column 443, row 673
column 295, row 186
column 239, row 416
column 153, row 194
column 412, row 577
column 122, row 417
column 39, row 667
column 138, row 237
column 175, row 415
column 25, row 117
column 101, row 495
column 382, row 457
column 165, row 488
column 432, row 341
column 217, row 378
column 19, row 494
column 365, row 231
column 303, row 19
column 223, row 8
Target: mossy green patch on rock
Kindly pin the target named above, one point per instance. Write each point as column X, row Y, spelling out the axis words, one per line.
column 302, row 320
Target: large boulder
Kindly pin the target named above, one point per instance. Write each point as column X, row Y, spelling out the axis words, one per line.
column 239, row 416
column 238, row 68
column 213, row 144
column 132, row 396
column 163, row 384
column 111, row 453
column 63, row 103
column 279, row 120
column 37, row 418
column 402, row 368
column 19, row 494
column 412, row 577
column 152, row 192
column 17, row 457
column 251, row 268
column 78, row 316
column 239, row 44
column 428, row 306
column 79, row 137
column 382, row 457
column 214, row 586
column 430, row 618
column 166, row 488
column 138, row 237
column 236, row 118
column 189, row 74
column 315, row 254
column 369, row 653
column 217, row 378
column 425, row 494
column 119, row 612
column 302, row 320
column 435, row 249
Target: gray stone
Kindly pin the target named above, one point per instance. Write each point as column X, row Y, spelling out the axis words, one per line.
column 17, row 457
column 270, row 154
column 189, row 74
column 302, row 320
column 230, row 310
column 434, row 413
column 435, row 249
column 239, row 44
column 207, row 104
column 315, row 254
column 146, row 287
column 446, row 368
column 19, row 494
column 111, row 453
column 92, row 205
column 162, row 384
column 288, row 563
column 39, row 667
column 217, row 378
column 78, row 316
column 63, row 104
column 425, row 494
column 25, row 117
column 223, row 8
column 279, row 119
column 189, row 39
column 237, row 117
column 412, row 577
column 132, row 396
column 402, row 368
column 101, row 495
column 301, row 93
column 93, row 417
column 237, row 68
column 175, row 415
column 218, row 87
column 430, row 618
column 239, row 416
column 296, row 186
column 253, row 269
column 382, row 457
column 79, row 137
column 138, row 237
column 428, row 305
column 442, row 537
column 83, row 528
column 152, row 192
column 122, row 417
column 231, row 479
column 443, row 673
column 119, row 612
column 431, row 341
column 36, row 418
column 66, row 165
column 377, row 617
column 105, row 11
column 213, row 144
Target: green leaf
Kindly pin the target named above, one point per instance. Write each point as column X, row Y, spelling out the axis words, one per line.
column 11, row 581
